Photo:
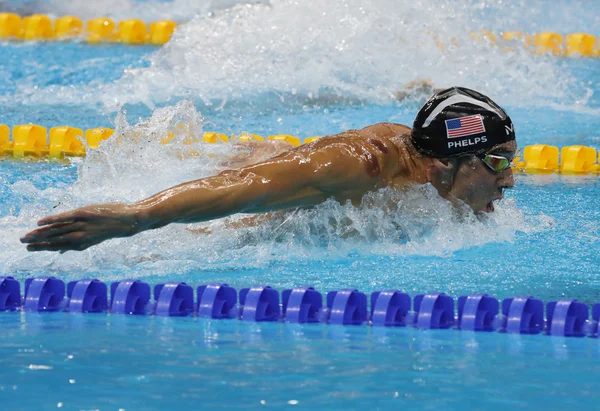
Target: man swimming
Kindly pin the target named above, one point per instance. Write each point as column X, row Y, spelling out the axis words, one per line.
column 461, row 142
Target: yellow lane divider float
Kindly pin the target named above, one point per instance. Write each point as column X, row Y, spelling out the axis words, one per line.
column 135, row 31
column 571, row 44
column 545, row 159
column 34, row 142
column 99, row 30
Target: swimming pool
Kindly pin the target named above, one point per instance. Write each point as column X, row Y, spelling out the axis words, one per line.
column 541, row 241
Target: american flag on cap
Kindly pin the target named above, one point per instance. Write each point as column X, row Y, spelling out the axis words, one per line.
column 464, row 126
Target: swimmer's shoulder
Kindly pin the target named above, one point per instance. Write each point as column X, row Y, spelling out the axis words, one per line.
column 387, row 130
column 386, row 135
column 383, row 137
column 383, row 141
column 379, row 145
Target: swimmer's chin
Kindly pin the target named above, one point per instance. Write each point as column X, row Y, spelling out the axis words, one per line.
column 488, row 209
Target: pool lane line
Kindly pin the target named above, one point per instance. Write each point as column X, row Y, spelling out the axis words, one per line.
column 387, row 308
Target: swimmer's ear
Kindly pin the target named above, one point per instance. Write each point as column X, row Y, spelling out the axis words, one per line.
column 441, row 173
column 444, row 166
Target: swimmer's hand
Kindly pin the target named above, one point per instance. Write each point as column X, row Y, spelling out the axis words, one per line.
column 416, row 89
column 82, row 228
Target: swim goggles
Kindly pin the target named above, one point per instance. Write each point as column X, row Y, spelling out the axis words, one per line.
column 494, row 162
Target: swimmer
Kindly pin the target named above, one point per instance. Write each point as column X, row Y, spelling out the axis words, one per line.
column 462, row 143
column 414, row 90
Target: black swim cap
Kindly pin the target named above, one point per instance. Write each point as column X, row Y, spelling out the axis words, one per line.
column 459, row 121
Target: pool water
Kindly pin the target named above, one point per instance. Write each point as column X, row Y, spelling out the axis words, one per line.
column 110, row 362
column 315, row 75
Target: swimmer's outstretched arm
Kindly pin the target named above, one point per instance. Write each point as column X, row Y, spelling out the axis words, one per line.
column 303, row 177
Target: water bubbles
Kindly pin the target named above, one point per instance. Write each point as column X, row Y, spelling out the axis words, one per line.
column 148, row 10
column 134, row 165
column 355, row 49
column 361, row 49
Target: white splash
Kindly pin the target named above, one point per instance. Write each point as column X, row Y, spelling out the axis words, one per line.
column 134, row 164
column 149, row 10
column 364, row 49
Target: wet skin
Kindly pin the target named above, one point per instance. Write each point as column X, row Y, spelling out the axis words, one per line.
column 343, row 166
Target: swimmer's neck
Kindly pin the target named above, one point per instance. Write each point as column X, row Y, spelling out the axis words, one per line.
column 413, row 168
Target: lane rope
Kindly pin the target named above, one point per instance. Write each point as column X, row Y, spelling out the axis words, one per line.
column 387, row 308
column 41, row 27
column 32, row 142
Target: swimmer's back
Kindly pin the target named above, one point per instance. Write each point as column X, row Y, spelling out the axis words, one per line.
column 376, row 144
column 376, row 147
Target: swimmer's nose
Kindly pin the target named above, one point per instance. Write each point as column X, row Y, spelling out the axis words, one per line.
column 508, row 180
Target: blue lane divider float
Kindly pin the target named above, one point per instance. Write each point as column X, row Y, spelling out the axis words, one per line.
column 566, row 318
column 129, row 297
column 216, row 301
column 87, row 296
column 259, row 304
column 346, row 307
column 389, row 308
column 173, row 300
column 44, row 294
column 302, row 305
column 10, row 294
column 477, row 312
column 434, row 311
column 522, row 315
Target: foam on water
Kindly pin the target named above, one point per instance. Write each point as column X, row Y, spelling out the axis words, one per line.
column 360, row 49
column 565, row 16
column 302, row 52
column 134, row 164
column 150, row 10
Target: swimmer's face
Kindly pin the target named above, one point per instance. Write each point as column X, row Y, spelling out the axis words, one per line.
column 477, row 185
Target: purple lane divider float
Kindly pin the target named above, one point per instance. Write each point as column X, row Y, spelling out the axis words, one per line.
column 434, row 311
column 347, row 307
column 129, row 297
column 44, row 294
column 591, row 325
column 301, row 305
column 174, row 299
column 596, row 312
column 477, row 312
column 10, row 294
column 389, row 308
column 259, row 304
column 566, row 318
column 217, row 301
column 524, row 315
column 87, row 296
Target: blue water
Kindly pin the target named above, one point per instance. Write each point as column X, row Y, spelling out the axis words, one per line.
column 271, row 113
column 99, row 362
column 542, row 241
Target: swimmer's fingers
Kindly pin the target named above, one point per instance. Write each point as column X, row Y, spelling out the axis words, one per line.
column 49, row 231
column 58, row 246
column 76, row 240
column 69, row 216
